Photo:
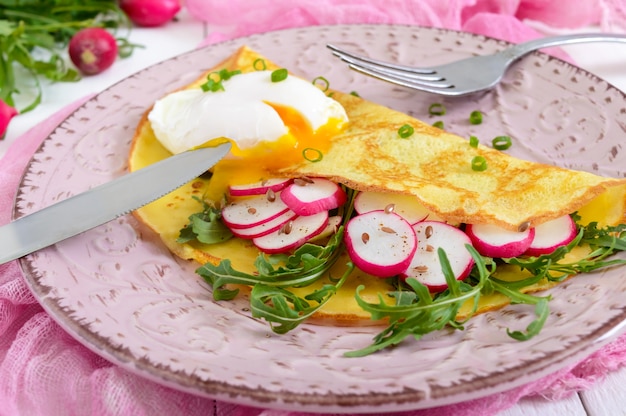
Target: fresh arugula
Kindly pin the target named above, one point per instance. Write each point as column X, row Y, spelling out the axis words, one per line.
column 416, row 312
column 205, row 226
column 34, row 36
column 307, row 264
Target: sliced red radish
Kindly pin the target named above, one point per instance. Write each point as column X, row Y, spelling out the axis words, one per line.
column 380, row 243
column 266, row 227
column 551, row 235
column 260, row 187
column 308, row 196
column 493, row 241
column 292, row 234
column 253, row 211
column 425, row 266
column 407, row 206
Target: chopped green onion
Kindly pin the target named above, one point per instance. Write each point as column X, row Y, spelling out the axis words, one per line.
column 225, row 74
column 356, row 94
column 212, row 85
column 501, row 142
column 479, row 163
column 318, row 154
column 214, row 80
column 406, row 131
column 322, row 83
column 259, row 64
column 438, row 124
column 476, row 117
column 473, row 140
column 436, row 109
column 279, row 75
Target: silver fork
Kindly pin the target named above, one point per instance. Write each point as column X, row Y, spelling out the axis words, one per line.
column 465, row 76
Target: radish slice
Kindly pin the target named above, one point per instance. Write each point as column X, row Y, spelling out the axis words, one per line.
column 293, row 234
column 307, row 196
column 425, row 266
column 260, row 187
column 406, row 206
column 380, row 243
column 265, row 227
column 551, row 235
column 253, row 211
column 493, row 241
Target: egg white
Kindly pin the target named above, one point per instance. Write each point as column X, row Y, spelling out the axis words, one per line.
column 242, row 112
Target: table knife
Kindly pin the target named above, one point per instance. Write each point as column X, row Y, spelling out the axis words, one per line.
column 105, row 202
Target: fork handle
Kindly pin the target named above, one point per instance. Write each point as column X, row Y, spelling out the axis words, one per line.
column 517, row 51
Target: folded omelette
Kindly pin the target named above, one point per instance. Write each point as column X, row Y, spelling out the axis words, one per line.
column 368, row 155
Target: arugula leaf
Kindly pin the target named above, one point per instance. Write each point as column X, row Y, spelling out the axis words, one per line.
column 307, row 264
column 422, row 313
column 205, row 226
column 542, row 311
column 603, row 241
column 284, row 310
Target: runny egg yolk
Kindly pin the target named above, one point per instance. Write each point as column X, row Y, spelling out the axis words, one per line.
column 256, row 163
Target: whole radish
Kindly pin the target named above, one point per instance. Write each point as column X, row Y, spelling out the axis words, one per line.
column 150, row 13
column 92, row 50
column 6, row 114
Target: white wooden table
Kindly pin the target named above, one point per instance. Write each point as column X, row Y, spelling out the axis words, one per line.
column 608, row 61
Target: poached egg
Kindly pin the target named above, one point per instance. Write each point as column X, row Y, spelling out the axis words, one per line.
column 270, row 124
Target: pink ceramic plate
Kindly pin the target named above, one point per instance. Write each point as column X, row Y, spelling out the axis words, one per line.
column 121, row 293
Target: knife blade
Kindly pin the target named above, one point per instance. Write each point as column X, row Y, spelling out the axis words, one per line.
column 104, row 203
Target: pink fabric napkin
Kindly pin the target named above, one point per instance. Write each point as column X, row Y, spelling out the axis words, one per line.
column 44, row 371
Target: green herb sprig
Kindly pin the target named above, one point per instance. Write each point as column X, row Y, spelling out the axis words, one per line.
column 33, row 39
column 205, row 226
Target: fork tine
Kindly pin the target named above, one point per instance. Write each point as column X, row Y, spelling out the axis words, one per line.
column 441, row 87
column 349, row 57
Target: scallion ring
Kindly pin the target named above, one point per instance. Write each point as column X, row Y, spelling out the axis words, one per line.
column 279, row 75
column 259, row 64
column 212, row 85
column 438, row 124
column 318, row 154
column 476, row 117
column 479, row 163
column 501, row 142
column 436, row 109
column 473, row 141
column 406, row 131
column 322, row 83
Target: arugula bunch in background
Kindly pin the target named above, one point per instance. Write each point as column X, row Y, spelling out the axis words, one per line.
column 33, row 38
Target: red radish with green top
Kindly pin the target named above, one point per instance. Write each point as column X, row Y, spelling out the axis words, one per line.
column 551, row 235
column 425, row 266
column 92, row 50
column 380, row 243
column 7, row 112
column 293, row 234
column 150, row 13
column 308, row 196
column 493, row 241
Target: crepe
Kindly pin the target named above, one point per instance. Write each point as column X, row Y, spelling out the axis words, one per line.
column 431, row 164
